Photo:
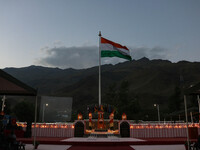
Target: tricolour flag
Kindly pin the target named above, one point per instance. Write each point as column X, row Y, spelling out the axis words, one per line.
column 112, row 49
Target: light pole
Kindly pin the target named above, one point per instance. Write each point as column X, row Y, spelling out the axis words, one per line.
column 44, row 106
column 156, row 105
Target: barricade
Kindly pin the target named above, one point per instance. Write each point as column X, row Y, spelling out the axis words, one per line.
column 171, row 130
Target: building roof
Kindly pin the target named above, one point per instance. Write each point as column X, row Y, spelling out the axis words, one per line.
column 9, row 85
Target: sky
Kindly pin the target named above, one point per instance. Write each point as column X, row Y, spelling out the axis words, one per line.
column 64, row 33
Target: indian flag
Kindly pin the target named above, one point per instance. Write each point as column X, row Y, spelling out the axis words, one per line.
column 112, row 49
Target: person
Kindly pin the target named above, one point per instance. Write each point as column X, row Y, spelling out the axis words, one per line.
column 3, row 142
column 13, row 144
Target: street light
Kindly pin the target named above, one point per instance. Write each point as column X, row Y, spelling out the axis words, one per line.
column 156, row 105
column 44, row 106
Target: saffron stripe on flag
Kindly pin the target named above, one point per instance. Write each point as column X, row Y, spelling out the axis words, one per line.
column 103, row 40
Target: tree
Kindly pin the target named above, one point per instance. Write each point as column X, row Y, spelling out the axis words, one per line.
column 122, row 100
column 111, row 95
column 175, row 100
column 123, row 93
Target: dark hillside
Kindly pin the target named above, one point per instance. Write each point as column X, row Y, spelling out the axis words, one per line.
column 146, row 82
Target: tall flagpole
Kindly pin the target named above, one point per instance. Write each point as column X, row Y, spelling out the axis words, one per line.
column 199, row 106
column 99, row 69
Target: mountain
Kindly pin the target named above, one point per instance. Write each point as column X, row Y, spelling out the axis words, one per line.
column 149, row 82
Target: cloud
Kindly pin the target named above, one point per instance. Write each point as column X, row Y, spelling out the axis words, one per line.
column 87, row 56
column 69, row 57
column 151, row 53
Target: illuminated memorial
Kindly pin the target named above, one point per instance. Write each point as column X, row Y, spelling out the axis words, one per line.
column 100, row 122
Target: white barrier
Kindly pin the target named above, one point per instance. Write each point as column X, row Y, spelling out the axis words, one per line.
column 53, row 132
column 171, row 130
column 51, row 129
column 160, row 130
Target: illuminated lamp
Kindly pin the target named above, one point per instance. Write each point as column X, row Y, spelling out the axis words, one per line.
column 80, row 116
column 124, row 117
column 190, row 125
column 131, row 126
column 72, row 126
column 90, row 115
column 23, row 125
column 90, row 120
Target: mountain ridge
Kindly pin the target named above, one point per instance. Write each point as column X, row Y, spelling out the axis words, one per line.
column 150, row 81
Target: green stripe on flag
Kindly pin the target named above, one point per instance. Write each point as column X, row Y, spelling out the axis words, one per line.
column 105, row 53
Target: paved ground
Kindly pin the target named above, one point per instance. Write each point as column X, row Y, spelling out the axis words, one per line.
column 94, row 143
column 48, row 147
column 158, row 147
column 110, row 139
column 100, row 148
column 134, row 147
